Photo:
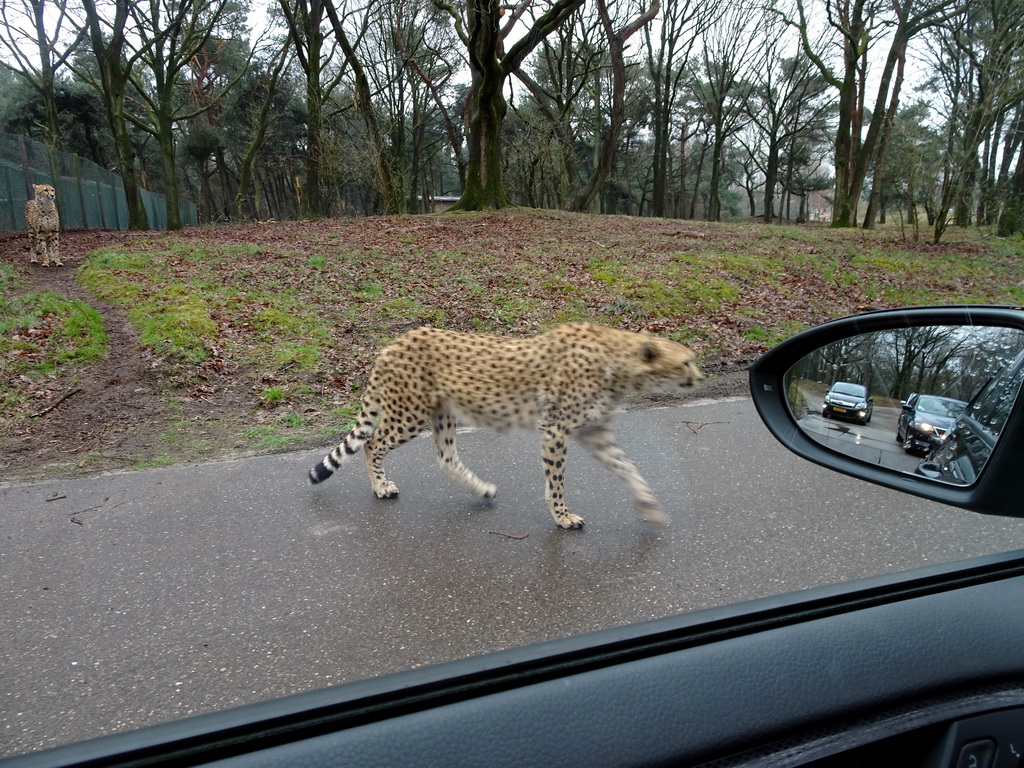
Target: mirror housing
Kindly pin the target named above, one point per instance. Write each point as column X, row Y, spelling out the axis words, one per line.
column 998, row 490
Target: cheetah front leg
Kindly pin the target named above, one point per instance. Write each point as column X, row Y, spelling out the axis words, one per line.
column 600, row 443
column 554, row 447
column 53, row 247
column 44, row 249
column 444, row 426
column 37, row 247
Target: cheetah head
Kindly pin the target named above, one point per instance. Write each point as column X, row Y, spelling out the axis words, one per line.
column 44, row 192
column 666, row 366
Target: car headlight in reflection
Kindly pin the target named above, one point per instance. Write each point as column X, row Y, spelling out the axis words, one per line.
column 924, row 426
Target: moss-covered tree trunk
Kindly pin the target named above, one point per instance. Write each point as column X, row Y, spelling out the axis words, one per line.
column 484, row 188
column 482, row 35
column 107, row 40
column 1011, row 220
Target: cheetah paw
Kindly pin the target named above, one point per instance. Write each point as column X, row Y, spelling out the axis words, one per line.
column 489, row 490
column 652, row 513
column 386, row 491
column 569, row 521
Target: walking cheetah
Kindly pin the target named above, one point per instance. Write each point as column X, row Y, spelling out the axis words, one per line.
column 565, row 382
column 44, row 226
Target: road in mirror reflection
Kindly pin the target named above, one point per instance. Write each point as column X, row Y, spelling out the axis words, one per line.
column 904, row 370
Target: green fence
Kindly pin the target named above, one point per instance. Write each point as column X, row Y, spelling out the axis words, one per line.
column 88, row 197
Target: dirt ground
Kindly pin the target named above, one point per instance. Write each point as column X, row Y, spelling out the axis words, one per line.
column 112, row 417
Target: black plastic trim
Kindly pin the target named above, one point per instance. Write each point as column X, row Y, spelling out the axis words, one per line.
column 240, row 731
column 998, row 489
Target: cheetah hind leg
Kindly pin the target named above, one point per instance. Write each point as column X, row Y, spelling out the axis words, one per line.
column 444, row 426
column 391, row 432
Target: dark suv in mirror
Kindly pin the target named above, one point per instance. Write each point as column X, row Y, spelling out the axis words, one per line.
column 925, row 421
column 845, row 400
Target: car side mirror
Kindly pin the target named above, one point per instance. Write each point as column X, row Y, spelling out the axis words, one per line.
column 965, row 442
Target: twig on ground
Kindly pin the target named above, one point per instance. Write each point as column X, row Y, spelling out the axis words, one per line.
column 700, row 425
column 509, row 535
column 59, row 400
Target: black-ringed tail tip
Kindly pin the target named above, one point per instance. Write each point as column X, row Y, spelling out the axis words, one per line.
column 320, row 472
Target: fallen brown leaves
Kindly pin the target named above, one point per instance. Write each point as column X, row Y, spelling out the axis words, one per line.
column 729, row 290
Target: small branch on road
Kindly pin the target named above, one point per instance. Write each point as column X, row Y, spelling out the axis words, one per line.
column 700, row 425
column 60, row 400
column 509, row 535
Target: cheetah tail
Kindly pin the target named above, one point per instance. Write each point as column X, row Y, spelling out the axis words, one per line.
column 349, row 445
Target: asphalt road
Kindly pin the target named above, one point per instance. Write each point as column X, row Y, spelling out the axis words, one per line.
column 874, row 442
column 135, row 598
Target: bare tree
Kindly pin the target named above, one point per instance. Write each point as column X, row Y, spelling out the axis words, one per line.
column 176, row 41
column 428, row 50
column 980, row 71
column 106, row 31
column 244, row 203
column 389, row 182
column 29, row 25
column 788, row 102
column 609, row 140
column 683, row 22
column 490, row 65
column 566, row 67
column 723, row 89
column 305, row 20
column 856, row 25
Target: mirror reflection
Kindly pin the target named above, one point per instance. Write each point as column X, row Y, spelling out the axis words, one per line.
column 930, row 400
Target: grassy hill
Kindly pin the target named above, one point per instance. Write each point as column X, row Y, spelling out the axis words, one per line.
column 257, row 337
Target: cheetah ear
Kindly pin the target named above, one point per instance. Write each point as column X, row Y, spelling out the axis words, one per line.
column 649, row 352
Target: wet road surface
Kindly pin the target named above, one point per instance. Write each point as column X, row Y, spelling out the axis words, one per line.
column 141, row 597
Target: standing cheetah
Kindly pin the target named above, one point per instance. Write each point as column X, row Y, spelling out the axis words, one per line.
column 44, row 226
column 565, row 382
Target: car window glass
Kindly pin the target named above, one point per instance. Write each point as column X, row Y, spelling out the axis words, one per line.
column 138, row 598
column 995, row 404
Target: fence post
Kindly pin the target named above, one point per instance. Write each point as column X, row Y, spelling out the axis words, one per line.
column 78, row 186
column 29, row 192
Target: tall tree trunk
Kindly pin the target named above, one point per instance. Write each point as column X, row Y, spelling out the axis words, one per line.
column 610, row 139
column 389, row 180
column 484, row 187
column 490, row 68
column 108, row 47
column 244, row 201
column 165, row 142
column 881, row 155
column 771, row 180
column 1011, row 220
